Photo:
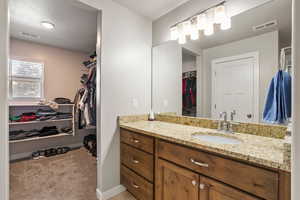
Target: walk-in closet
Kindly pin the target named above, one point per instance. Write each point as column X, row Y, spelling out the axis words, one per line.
column 52, row 100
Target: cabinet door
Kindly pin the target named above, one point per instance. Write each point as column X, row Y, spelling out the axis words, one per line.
column 213, row 190
column 175, row 183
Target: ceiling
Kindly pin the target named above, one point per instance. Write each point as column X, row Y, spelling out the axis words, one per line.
column 152, row 9
column 242, row 25
column 75, row 23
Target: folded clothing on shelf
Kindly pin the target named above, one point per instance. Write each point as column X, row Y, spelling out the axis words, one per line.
column 26, row 117
column 45, row 112
column 48, row 130
column 41, row 115
column 45, row 131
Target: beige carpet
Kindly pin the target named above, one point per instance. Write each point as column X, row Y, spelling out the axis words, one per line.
column 71, row 176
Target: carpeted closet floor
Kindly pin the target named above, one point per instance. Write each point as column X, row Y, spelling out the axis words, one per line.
column 70, row 176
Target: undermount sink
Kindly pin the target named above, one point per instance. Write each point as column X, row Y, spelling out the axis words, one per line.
column 216, row 138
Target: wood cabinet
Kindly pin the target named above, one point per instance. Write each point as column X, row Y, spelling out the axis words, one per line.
column 175, row 183
column 157, row 169
column 257, row 181
column 137, row 164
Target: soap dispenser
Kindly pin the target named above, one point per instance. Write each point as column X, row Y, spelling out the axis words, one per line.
column 151, row 116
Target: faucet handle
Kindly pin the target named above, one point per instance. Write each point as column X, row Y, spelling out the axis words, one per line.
column 232, row 114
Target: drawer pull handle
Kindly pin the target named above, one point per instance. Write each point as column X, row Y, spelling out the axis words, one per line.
column 135, row 141
column 135, row 161
column 135, row 186
column 198, row 163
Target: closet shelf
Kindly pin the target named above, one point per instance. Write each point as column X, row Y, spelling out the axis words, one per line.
column 40, row 138
column 39, row 122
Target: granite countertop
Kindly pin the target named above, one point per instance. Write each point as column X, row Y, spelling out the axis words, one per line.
column 265, row 151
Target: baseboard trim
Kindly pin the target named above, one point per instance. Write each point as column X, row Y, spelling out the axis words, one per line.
column 110, row 193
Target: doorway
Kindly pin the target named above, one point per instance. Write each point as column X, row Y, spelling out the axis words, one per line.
column 53, row 64
column 189, row 83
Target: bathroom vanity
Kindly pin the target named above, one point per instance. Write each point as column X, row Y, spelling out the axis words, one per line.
column 164, row 161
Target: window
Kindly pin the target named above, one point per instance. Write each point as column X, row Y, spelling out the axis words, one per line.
column 26, row 80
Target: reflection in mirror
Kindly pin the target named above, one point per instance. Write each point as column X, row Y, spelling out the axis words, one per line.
column 242, row 74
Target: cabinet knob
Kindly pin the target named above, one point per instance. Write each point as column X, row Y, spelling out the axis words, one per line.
column 135, row 141
column 202, row 186
column 135, row 161
column 194, row 183
column 135, row 186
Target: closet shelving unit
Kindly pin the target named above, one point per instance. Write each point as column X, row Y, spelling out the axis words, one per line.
column 16, row 109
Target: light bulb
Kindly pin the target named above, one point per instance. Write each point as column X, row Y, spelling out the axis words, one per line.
column 181, row 34
column 182, row 39
column 220, row 14
column 201, row 21
column 187, row 27
column 194, row 29
column 209, row 29
column 226, row 24
column 174, row 33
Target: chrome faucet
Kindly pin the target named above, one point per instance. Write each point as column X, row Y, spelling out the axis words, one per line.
column 224, row 125
column 231, row 123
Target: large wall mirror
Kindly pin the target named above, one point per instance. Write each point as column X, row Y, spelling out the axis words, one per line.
column 238, row 72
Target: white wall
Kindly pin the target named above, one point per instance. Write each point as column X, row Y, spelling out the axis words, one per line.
column 63, row 68
column 4, row 187
column 125, row 79
column 296, row 99
column 268, row 47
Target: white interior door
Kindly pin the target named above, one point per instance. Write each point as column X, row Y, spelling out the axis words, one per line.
column 235, row 87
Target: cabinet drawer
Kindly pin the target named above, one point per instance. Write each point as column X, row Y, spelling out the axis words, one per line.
column 257, row 181
column 136, row 185
column 138, row 161
column 139, row 141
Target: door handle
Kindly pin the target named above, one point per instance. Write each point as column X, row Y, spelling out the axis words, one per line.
column 249, row 116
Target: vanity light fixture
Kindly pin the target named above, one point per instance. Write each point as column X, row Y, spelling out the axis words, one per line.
column 194, row 29
column 48, row 25
column 203, row 21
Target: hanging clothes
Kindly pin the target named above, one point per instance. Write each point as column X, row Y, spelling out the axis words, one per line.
column 278, row 104
column 189, row 85
column 85, row 99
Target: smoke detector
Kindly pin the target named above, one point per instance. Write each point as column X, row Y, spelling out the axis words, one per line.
column 266, row 25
